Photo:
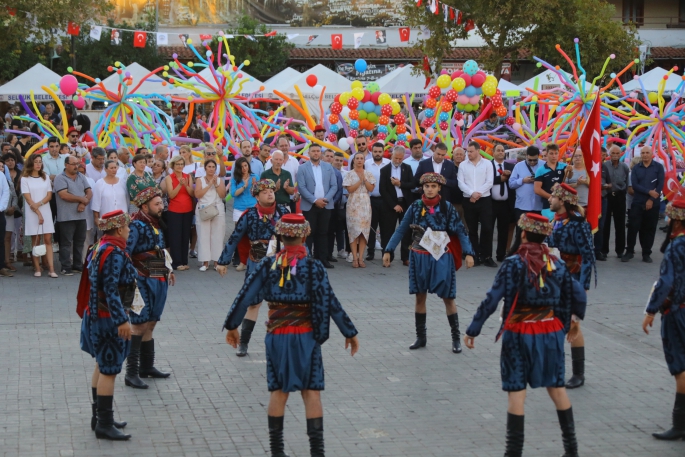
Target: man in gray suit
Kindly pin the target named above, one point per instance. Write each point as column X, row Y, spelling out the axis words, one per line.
column 317, row 185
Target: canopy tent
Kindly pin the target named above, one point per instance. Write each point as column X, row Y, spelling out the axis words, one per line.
column 547, row 80
column 252, row 84
column 31, row 80
column 401, row 81
column 280, row 77
column 651, row 80
column 153, row 85
column 508, row 89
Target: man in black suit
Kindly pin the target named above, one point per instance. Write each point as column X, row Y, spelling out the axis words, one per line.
column 396, row 181
column 438, row 164
column 503, row 199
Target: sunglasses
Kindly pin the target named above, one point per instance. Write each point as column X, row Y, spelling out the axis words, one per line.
column 73, row 136
column 211, row 153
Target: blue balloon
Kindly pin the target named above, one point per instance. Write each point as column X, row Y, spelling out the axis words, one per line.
column 470, row 91
column 354, row 124
column 368, row 107
column 367, row 132
column 606, row 124
column 402, row 137
column 479, row 91
column 360, row 65
column 443, row 117
column 429, row 113
column 382, row 129
column 377, row 110
column 334, row 128
column 470, row 67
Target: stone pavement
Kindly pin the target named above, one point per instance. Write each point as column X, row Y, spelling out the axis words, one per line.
column 386, row 401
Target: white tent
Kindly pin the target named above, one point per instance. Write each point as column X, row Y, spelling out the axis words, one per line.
column 153, row 85
column 252, row 84
column 281, row 77
column 651, row 80
column 547, row 80
column 508, row 89
column 32, row 79
column 401, row 81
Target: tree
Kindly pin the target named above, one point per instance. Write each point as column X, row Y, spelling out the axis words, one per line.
column 93, row 57
column 267, row 55
column 32, row 28
column 532, row 27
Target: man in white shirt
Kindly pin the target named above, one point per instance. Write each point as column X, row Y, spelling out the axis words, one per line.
column 124, row 165
column 503, row 199
column 363, row 146
column 374, row 166
column 291, row 165
column 95, row 170
column 475, row 182
column 53, row 161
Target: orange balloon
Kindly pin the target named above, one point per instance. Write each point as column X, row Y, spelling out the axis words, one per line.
column 430, row 103
column 401, row 128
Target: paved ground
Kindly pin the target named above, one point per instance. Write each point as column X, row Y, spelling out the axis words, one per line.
column 386, row 401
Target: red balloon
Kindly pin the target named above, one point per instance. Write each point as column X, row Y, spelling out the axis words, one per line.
column 400, row 119
column 457, row 74
column 352, row 103
column 434, row 92
column 451, row 95
column 336, row 107
column 386, row 110
column 332, row 138
column 311, row 80
column 467, row 79
column 374, row 97
column 337, row 98
column 353, row 133
column 478, row 79
column 367, row 96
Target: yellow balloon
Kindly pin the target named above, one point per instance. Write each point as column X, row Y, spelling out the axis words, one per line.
column 489, row 88
column 653, row 97
column 344, row 97
column 443, row 81
column 491, row 79
column 384, row 99
column 358, row 92
column 458, row 84
column 395, row 107
column 357, row 84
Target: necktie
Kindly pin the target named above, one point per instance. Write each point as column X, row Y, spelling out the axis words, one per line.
column 501, row 186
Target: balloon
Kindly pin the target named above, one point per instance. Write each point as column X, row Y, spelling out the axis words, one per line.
column 80, row 102
column 377, row 110
column 446, row 106
column 311, row 80
column 358, row 92
column 474, row 100
column 317, row 88
column 383, row 120
column 343, row 144
column 444, row 126
column 357, row 84
column 354, row 124
column 443, row 117
column 451, row 95
column 354, row 114
column 395, row 107
column 430, row 103
column 333, row 118
column 443, row 81
column 381, row 136
column 467, row 79
column 383, row 129
column 373, row 87
column 489, row 88
column 430, row 131
column 470, row 67
column 344, row 97
column 372, row 118
column 460, row 123
column 374, row 98
column 491, row 79
column 458, row 84
column 653, row 97
column 337, row 98
column 368, row 107
column 384, row 99
column 434, row 92
column 334, row 128
column 478, row 79
column 336, row 108
column 501, row 111
column 360, row 65
column 345, row 112
column 461, row 106
column 401, row 129
column 352, row 103
column 456, row 74
column 353, row 134
column 429, row 112
column 386, row 110
column 462, row 100
column 332, row 137
column 469, row 91
column 400, row 119
column 68, row 84
column 516, row 126
column 510, row 121
column 367, row 96
column 363, row 114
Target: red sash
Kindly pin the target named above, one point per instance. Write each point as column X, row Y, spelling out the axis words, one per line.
column 83, row 294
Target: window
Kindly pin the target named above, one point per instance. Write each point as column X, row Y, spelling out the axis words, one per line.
column 634, row 11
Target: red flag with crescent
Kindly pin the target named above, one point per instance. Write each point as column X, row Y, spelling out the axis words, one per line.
column 336, row 41
column 139, row 39
column 404, row 34
column 591, row 145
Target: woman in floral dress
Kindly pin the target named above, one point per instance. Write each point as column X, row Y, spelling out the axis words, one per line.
column 358, row 183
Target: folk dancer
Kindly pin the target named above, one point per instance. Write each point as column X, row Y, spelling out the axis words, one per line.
column 301, row 304
column 426, row 274
column 258, row 224
column 540, row 298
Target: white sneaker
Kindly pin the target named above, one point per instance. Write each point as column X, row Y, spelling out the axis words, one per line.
column 342, row 254
column 378, row 245
column 349, row 258
column 241, row 267
column 203, row 268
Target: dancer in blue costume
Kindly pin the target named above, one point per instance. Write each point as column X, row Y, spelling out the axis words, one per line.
column 572, row 236
column 540, row 298
column 258, row 224
column 668, row 298
column 301, row 304
column 106, row 329
column 146, row 246
column 427, row 275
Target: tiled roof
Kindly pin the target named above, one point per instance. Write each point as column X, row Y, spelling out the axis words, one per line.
column 396, row 53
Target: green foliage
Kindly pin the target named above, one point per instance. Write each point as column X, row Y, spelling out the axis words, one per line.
column 93, row 57
column 531, row 27
column 267, row 55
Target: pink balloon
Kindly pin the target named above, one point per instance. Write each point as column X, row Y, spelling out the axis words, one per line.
column 516, row 126
column 80, row 102
column 463, row 99
column 478, row 79
column 430, row 131
column 474, row 100
column 374, row 97
column 460, row 123
column 457, row 74
column 68, row 84
column 467, row 79
column 367, row 96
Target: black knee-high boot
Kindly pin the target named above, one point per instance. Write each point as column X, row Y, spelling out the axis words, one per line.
column 456, row 336
column 147, row 361
column 568, row 432
column 245, row 335
column 515, row 435
column 105, row 425
column 94, row 419
column 315, row 433
column 420, row 322
column 678, row 430
column 132, row 378
column 276, row 436
column 578, row 362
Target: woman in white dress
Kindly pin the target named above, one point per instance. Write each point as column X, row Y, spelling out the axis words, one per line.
column 210, row 191
column 37, row 190
column 110, row 192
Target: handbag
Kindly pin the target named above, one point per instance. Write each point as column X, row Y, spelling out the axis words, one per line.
column 208, row 212
column 40, row 250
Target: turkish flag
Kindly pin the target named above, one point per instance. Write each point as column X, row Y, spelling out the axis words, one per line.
column 139, row 39
column 469, row 25
column 404, row 34
column 591, row 145
column 73, row 28
column 336, row 41
column 12, row 11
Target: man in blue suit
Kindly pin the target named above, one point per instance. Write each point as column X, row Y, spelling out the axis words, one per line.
column 317, row 185
column 438, row 164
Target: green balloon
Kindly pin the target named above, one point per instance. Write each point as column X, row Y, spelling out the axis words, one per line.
column 373, row 87
column 362, row 114
column 372, row 117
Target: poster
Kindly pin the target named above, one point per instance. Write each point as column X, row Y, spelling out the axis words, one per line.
column 115, row 38
column 372, row 73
